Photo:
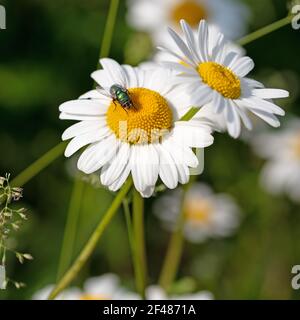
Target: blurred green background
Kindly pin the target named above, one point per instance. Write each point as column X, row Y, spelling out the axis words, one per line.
column 47, row 54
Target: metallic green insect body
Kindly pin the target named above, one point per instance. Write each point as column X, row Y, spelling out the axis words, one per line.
column 121, row 95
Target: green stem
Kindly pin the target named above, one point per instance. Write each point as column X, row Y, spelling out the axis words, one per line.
column 265, row 30
column 139, row 243
column 40, row 164
column 174, row 251
column 173, row 255
column 71, row 227
column 109, row 28
column 92, row 242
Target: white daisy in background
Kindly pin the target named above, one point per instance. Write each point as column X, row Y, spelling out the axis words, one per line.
column 281, row 173
column 218, row 79
column 105, row 287
column 152, row 16
column 157, row 293
column 206, row 215
column 144, row 138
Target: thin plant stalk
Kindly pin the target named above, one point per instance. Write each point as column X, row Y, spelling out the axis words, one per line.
column 37, row 166
column 70, row 232
column 92, row 242
column 139, row 243
column 109, row 28
column 174, row 251
column 265, row 30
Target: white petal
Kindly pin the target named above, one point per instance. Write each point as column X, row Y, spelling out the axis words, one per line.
column 182, row 46
column 114, row 72
column 252, row 83
column 203, row 40
column 242, row 66
column 218, row 102
column 82, row 127
column 167, row 169
column 131, row 76
column 70, row 116
column 135, row 169
column 232, row 119
column 145, row 166
column 82, row 140
column 121, row 179
column 176, row 55
column 243, row 114
column 84, row 107
column 93, row 94
column 263, row 105
column 270, row 93
column 113, row 170
column 190, row 134
column 97, row 155
column 147, row 193
column 190, row 39
column 267, row 117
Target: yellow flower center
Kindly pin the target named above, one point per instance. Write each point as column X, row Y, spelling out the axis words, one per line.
column 191, row 11
column 94, row 297
column 197, row 211
column 221, row 79
column 146, row 121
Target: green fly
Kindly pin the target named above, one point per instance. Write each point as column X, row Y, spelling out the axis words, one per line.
column 121, row 95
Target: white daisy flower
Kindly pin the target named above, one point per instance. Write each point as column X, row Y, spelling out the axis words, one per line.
column 157, row 293
column 281, row 173
column 141, row 134
column 217, row 78
column 105, row 287
column 152, row 16
column 206, row 215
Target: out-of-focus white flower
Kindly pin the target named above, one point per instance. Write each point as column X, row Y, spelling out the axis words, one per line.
column 207, row 215
column 105, row 287
column 281, row 173
column 152, row 16
column 143, row 137
column 157, row 293
column 216, row 76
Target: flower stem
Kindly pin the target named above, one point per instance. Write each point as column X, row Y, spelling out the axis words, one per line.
column 265, row 30
column 173, row 255
column 109, row 28
column 174, row 250
column 40, row 164
column 139, row 243
column 71, row 227
column 92, row 242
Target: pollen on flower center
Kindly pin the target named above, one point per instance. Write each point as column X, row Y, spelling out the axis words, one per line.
column 145, row 122
column 221, row 79
column 197, row 211
column 190, row 11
